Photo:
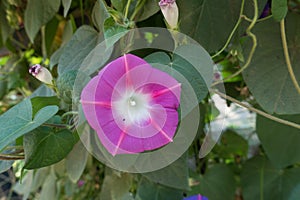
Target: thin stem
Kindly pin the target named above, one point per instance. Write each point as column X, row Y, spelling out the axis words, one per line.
column 127, row 9
column 258, row 20
column 254, row 41
column 276, row 119
column 138, row 7
column 56, row 125
column 69, row 113
column 14, row 147
column 286, row 55
column 81, row 11
column 10, row 157
column 233, row 31
column 44, row 48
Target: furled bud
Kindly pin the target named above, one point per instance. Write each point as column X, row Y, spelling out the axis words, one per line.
column 41, row 73
column 170, row 11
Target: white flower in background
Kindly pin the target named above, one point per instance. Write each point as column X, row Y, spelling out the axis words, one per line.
column 170, row 11
column 41, row 73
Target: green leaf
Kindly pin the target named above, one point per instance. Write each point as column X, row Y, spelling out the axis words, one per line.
column 42, row 91
column 280, row 141
column 209, row 22
column 5, row 165
column 218, row 183
column 119, row 4
column 113, row 32
column 115, row 185
column 149, row 8
column 40, row 102
column 231, row 145
column 175, row 175
column 190, row 69
column 279, row 9
column 148, row 190
column 83, row 41
column 261, row 180
column 96, row 59
column 5, row 28
column 66, row 4
column 18, row 120
column 37, row 14
column 45, row 147
column 267, row 76
column 50, row 32
column 76, row 161
column 66, row 37
column 99, row 15
column 3, row 86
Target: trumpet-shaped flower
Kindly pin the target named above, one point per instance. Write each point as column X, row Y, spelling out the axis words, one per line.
column 132, row 106
column 41, row 73
column 170, row 11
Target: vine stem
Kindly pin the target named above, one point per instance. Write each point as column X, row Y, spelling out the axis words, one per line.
column 254, row 40
column 56, row 125
column 127, row 9
column 10, row 157
column 286, row 55
column 233, row 31
column 260, row 112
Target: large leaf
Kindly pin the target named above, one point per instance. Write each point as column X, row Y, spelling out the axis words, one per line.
column 113, row 31
column 5, row 29
column 119, row 4
column 5, row 165
column 37, row 14
column 44, row 147
column 41, row 102
column 217, row 183
column 148, row 190
column 147, row 8
column 279, row 9
column 115, row 185
column 261, row 180
column 76, row 161
column 80, row 45
column 231, row 145
column 186, row 68
column 267, row 76
column 175, row 175
column 18, row 120
column 280, row 141
column 99, row 15
column 208, row 21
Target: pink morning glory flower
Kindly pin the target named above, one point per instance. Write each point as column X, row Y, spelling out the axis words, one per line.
column 132, row 106
column 41, row 73
column 170, row 11
column 196, row 197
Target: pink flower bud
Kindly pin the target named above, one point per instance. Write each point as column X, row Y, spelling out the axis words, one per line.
column 41, row 73
column 170, row 11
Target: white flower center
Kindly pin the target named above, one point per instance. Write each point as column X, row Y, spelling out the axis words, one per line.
column 133, row 107
column 132, row 102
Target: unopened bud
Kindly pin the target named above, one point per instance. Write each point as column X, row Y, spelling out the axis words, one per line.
column 41, row 73
column 170, row 11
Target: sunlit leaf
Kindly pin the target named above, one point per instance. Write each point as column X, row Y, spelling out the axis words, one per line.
column 18, row 120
